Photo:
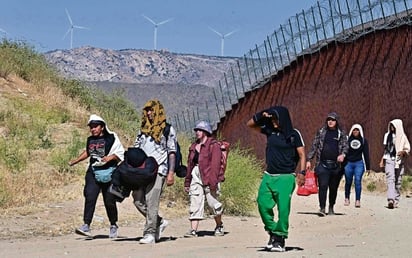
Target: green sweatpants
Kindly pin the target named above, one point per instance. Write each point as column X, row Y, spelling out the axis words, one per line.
column 276, row 190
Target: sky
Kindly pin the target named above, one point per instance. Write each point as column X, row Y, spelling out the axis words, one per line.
column 194, row 27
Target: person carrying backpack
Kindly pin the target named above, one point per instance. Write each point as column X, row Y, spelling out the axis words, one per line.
column 154, row 143
column 202, row 179
column 284, row 150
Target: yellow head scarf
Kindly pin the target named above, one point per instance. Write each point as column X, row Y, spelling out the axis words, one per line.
column 155, row 127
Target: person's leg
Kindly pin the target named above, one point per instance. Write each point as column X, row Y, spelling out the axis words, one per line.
column 110, row 204
column 323, row 183
column 91, row 192
column 152, row 202
column 398, row 183
column 349, row 172
column 335, row 177
column 285, row 185
column 359, row 170
column 217, row 208
column 266, row 203
column 390, row 179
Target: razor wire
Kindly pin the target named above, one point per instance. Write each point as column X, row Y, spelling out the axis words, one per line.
column 305, row 33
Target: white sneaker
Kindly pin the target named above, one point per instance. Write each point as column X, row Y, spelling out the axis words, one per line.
column 113, row 231
column 147, row 239
column 160, row 229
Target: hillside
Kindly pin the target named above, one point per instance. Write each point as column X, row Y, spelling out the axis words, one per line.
column 182, row 82
column 139, row 66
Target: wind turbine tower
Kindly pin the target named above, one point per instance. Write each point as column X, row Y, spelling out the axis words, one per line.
column 155, row 28
column 222, row 37
column 71, row 28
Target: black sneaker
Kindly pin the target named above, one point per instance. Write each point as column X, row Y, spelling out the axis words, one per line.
column 276, row 244
column 322, row 212
column 331, row 211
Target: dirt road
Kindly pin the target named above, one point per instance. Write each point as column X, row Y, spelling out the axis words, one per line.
column 369, row 231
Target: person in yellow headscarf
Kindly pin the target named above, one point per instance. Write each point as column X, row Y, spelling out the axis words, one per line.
column 154, row 143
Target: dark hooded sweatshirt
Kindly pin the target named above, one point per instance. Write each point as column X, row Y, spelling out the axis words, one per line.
column 281, row 154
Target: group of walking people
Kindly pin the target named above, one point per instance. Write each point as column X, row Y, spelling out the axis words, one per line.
column 154, row 156
column 331, row 155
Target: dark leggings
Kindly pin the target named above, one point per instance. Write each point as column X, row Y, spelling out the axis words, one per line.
column 91, row 193
column 328, row 178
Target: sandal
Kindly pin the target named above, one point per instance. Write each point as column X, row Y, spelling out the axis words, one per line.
column 347, row 202
column 357, row 204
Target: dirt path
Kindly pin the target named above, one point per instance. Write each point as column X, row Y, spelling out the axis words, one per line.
column 370, row 231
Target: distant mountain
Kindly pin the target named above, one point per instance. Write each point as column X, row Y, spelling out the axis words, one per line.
column 182, row 82
column 139, row 66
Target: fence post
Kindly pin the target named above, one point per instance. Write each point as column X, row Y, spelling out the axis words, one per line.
column 234, row 83
column 227, row 90
column 240, row 74
column 360, row 14
column 284, row 41
column 253, row 65
column 267, row 56
column 280, row 53
column 217, row 105
column 300, row 33
column 323, row 24
column 247, row 69
column 271, row 53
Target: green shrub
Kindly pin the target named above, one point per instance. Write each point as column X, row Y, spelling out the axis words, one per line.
column 371, row 186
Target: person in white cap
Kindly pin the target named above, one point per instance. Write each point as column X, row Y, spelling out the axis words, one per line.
column 202, row 180
column 105, row 151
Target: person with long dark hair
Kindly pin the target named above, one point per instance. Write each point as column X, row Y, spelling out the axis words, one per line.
column 357, row 161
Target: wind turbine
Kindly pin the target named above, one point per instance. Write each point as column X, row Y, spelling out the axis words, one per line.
column 222, row 36
column 71, row 28
column 155, row 28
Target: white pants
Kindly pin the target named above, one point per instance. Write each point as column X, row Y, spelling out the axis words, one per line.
column 393, row 180
column 198, row 193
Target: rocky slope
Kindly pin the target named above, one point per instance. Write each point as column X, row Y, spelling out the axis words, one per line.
column 139, row 66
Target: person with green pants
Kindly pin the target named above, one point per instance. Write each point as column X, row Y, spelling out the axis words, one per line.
column 284, row 150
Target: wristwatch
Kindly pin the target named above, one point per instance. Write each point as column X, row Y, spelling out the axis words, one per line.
column 302, row 172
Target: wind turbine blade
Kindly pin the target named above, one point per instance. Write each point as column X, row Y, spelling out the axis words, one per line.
column 81, row 27
column 166, row 21
column 68, row 31
column 230, row 33
column 68, row 16
column 150, row 20
column 215, row 31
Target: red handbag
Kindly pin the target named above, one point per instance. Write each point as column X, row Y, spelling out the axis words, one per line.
column 310, row 186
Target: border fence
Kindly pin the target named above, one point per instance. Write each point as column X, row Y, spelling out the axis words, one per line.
column 305, row 33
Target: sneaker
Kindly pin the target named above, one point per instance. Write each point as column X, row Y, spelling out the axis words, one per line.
column 322, row 212
column 276, row 244
column 113, row 231
column 331, row 211
column 357, row 204
column 115, row 190
column 84, row 230
column 191, row 233
column 347, row 202
column 160, row 229
column 390, row 204
column 147, row 239
column 219, row 230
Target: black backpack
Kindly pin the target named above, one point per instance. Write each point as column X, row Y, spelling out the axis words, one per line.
column 180, row 169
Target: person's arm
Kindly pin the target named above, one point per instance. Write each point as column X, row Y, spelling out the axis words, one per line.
column 84, row 155
column 258, row 120
column 302, row 158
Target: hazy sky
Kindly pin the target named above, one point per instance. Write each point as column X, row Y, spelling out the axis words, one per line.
column 120, row 24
